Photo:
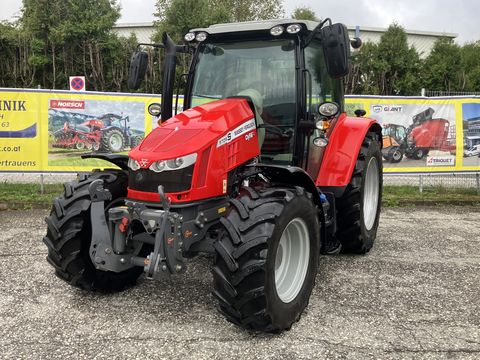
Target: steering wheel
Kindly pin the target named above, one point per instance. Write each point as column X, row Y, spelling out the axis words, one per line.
column 274, row 129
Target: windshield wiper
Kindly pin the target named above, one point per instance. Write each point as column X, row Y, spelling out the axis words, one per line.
column 208, row 96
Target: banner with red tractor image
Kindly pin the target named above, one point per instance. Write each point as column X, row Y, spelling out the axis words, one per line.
column 425, row 134
column 49, row 131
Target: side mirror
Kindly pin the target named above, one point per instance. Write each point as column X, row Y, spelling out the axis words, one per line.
column 360, row 113
column 336, row 49
column 138, row 69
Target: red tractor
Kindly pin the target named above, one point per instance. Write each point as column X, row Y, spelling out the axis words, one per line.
column 107, row 133
column 211, row 180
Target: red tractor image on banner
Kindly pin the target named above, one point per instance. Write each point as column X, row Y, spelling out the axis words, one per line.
column 263, row 169
column 107, row 133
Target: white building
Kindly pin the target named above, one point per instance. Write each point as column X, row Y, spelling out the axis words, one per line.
column 422, row 40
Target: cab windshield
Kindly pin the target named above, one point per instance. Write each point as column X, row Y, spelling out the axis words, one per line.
column 262, row 70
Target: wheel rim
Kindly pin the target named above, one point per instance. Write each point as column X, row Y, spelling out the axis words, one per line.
column 115, row 142
column 419, row 154
column 291, row 260
column 396, row 155
column 370, row 193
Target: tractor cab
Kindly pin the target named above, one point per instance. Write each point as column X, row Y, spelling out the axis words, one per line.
column 279, row 66
column 286, row 68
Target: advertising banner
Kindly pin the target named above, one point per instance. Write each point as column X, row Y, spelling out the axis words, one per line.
column 48, row 131
column 425, row 135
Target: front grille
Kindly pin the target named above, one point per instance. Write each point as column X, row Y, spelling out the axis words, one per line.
column 172, row 180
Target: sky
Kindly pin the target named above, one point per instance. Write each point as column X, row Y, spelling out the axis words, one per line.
column 460, row 16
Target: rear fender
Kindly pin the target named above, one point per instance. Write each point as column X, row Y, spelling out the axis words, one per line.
column 342, row 151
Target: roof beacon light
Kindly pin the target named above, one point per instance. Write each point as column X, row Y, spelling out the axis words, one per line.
column 189, row 36
column 294, row 28
column 276, row 30
column 201, row 36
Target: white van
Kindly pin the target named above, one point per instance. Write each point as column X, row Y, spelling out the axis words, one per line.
column 474, row 150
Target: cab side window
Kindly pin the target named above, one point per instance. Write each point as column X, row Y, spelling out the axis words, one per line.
column 324, row 88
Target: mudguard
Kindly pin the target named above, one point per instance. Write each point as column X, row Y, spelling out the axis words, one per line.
column 119, row 160
column 342, row 151
column 295, row 176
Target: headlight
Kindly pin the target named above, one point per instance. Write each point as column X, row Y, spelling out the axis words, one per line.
column 189, row 36
column 276, row 30
column 133, row 164
column 294, row 28
column 201, row 36
column 158, row 166
column 174, row 164
column 328, row 109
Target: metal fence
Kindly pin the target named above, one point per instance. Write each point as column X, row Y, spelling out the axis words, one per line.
column 433, row 93
column 422, row 181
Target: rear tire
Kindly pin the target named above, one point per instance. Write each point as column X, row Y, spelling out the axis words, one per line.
column 357, row 220
column 256, row 258
column 419, row 153
column 69, row 235
column 113, row 140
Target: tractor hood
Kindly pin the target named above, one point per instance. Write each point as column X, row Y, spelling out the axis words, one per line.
column 192, row 130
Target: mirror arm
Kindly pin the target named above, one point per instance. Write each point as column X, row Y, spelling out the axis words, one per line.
column 184, row 49
column 314, row 32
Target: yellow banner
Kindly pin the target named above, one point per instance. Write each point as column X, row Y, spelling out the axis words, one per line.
column 48, row 131
column 425, row 134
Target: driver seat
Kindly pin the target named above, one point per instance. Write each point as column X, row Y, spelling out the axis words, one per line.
column 257, row 100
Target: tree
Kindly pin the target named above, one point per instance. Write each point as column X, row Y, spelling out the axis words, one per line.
column 470, row 65
column 304, row 13
column 178, row 16
column 443, row 67
column 69, row 37
column 390, row 67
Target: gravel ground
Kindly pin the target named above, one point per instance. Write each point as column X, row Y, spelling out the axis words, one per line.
column 415, row 295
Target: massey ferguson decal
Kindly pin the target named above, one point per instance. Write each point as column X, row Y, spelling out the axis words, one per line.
column 240, row 130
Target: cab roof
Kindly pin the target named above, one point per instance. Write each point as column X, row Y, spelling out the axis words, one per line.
column 253, row 26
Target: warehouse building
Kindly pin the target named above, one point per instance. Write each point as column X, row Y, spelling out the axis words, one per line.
column 422, row 41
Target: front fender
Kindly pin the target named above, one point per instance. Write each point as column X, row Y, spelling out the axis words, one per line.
column 120, row 160
column 343, row 148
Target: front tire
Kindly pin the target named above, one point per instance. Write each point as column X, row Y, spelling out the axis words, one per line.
column 267, row 258
column 359, row 207
column 395, row 155
column 69, row 235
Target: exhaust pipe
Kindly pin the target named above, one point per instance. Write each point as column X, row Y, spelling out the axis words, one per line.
column 168, row 77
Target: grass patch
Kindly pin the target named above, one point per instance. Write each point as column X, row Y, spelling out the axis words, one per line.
column 28, row 196
column 79, row 162
column 411, row 196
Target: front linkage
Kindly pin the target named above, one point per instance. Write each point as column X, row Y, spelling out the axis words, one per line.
column 115, row 246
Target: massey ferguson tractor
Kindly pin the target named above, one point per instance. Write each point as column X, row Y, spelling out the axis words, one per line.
column 263, row 169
